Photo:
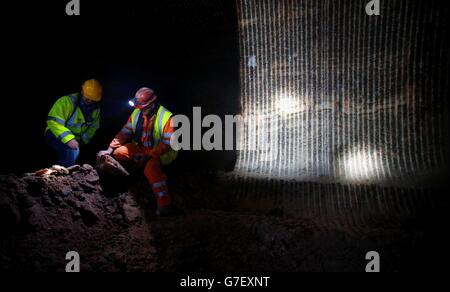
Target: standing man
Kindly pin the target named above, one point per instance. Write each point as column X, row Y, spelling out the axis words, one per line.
column 73, row 121
column 145, row 140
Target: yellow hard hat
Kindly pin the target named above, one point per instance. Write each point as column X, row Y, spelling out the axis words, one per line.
column 92, row 89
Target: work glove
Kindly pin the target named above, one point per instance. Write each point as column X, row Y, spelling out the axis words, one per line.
column 73, row 144
column 109, row 151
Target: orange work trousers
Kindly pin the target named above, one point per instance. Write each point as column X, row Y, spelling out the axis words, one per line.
column 152, row 170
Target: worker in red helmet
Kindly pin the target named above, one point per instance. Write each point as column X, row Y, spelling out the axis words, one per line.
column 145, row 140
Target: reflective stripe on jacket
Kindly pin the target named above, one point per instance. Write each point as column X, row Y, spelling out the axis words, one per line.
column 66, row 120
column 162, row 117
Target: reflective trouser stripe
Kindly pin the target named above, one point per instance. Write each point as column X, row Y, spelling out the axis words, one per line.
column 161, row 194
column 159, row 184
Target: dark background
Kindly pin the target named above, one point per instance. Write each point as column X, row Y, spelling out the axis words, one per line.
column 187, row 51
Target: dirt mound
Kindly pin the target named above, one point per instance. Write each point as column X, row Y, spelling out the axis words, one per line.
column 108, row 220
column 47, row 214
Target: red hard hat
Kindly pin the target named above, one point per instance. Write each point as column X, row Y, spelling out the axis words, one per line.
column 144, row 97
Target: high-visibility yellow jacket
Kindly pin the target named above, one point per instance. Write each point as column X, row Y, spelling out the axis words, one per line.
column 66, row 120
column 161, row 134
column 162, row 118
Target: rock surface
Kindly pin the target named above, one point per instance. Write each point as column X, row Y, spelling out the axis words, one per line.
column 49, row 213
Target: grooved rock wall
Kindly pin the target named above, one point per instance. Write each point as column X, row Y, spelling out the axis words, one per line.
column 329, row 94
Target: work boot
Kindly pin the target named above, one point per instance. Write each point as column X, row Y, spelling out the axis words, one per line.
column 168, row 211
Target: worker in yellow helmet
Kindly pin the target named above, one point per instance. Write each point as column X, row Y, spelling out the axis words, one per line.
column 73, row 121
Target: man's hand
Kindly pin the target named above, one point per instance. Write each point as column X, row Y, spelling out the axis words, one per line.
column 73, row 144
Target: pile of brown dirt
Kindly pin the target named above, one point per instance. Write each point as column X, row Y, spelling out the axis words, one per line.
column 47, row 214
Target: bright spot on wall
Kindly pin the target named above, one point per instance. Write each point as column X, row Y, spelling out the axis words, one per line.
column 287, row 105
column 361, row 166
column 316, row 108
